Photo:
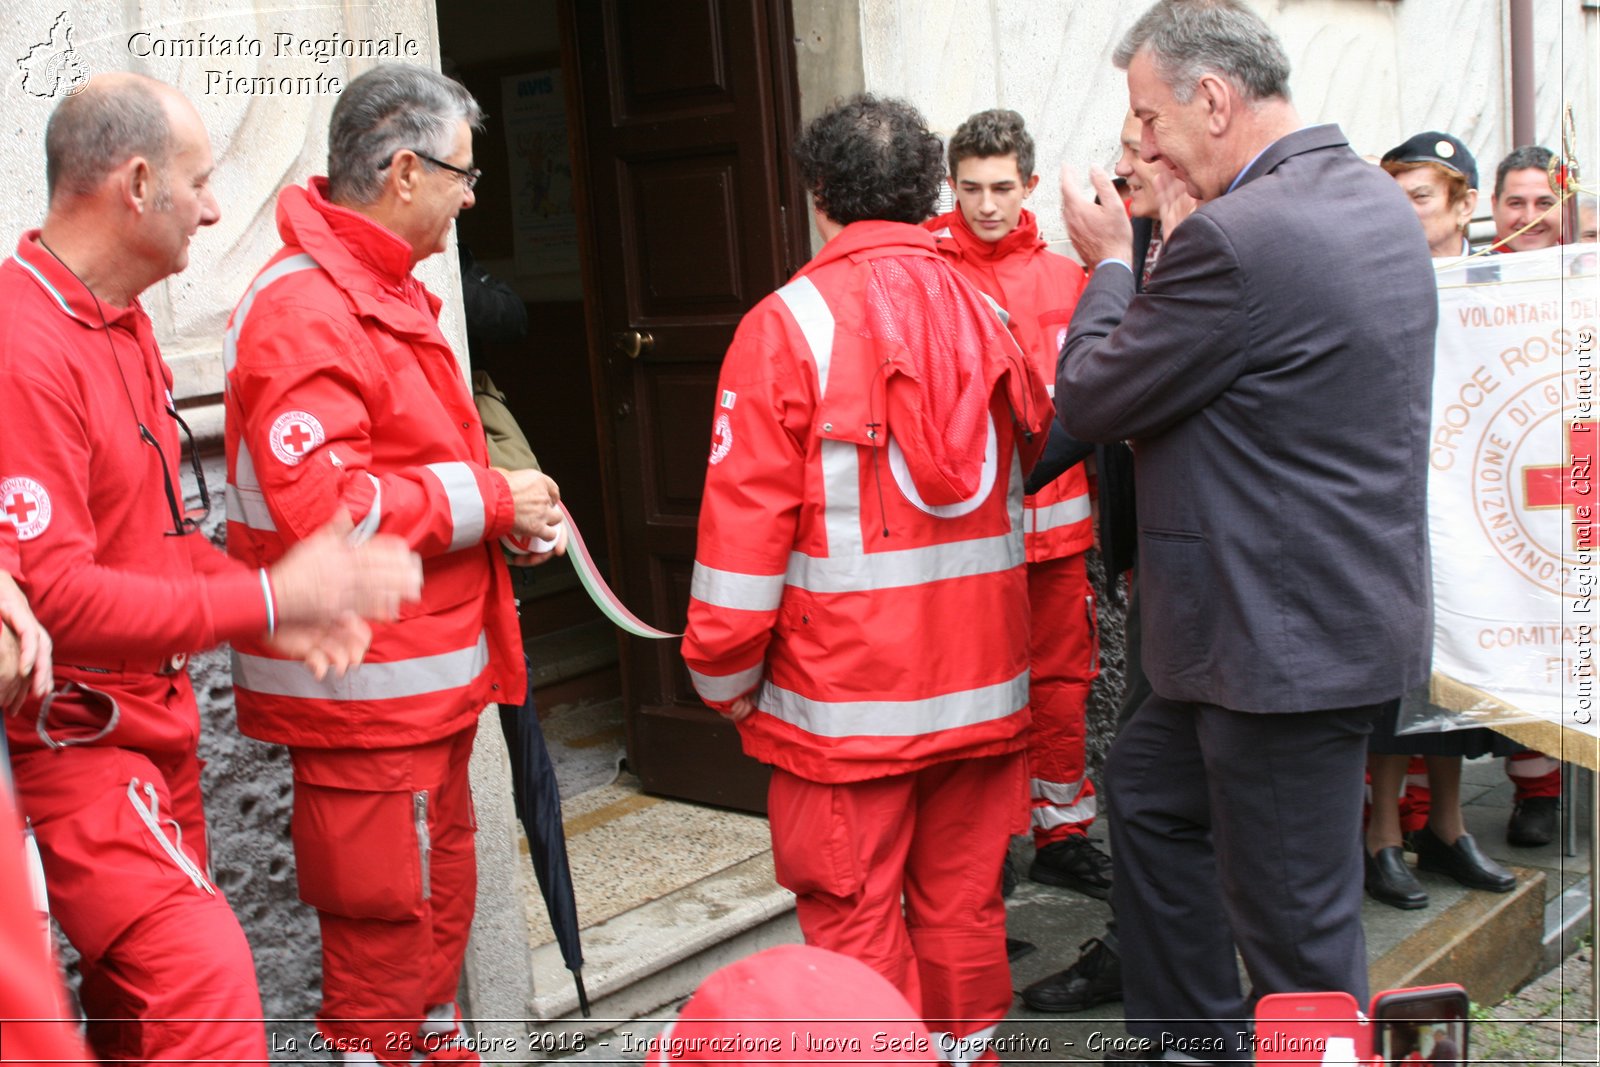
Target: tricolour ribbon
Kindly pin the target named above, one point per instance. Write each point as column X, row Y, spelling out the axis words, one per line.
column 610, row 605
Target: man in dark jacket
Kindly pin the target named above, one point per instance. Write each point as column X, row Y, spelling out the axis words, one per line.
column 1282, row 545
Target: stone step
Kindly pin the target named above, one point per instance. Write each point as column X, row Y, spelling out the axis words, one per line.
column 650, row 956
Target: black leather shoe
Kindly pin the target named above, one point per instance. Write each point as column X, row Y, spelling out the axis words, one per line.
column 1464, row 861
column 1391, row 882
column 1016, row 948
column 1534, row 822
column 1095, row 978
column 1008, row 877
column 1075, row 864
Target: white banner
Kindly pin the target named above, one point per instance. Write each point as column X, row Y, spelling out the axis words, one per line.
column 1514, row 488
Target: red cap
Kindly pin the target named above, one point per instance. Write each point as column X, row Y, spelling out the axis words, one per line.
column 795, row 1002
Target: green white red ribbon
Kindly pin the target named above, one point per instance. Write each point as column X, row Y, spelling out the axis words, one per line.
column 610, row 605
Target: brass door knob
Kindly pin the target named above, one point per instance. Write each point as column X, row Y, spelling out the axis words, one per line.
column 635, row 343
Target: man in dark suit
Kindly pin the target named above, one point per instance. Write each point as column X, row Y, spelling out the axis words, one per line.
column 1274, row 377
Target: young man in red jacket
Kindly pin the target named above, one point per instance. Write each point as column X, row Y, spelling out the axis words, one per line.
column 993, row 241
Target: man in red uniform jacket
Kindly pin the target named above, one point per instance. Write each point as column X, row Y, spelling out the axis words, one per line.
column 344, row 398
column 859, row 598
column 105, row 762
column 993, row 242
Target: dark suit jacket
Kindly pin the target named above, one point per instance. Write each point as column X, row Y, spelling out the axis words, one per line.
column 1275, row 378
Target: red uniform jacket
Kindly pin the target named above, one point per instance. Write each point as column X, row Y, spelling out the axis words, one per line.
column 122, row 600
column 860, row 563
column 342, row 393
column 1039, row 291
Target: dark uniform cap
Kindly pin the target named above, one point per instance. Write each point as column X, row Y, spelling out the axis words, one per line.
column 1440, row 148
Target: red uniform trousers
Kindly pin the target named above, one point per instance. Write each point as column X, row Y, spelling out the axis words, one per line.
column 167, row 973
column 383, row 846
column 1534, row 774
column 852, row 852
column 1063, row 660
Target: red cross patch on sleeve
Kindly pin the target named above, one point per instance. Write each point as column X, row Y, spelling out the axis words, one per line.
column 294, row 434
column 25, row 504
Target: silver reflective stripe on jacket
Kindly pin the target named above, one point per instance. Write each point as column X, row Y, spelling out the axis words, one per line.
column 811, row 314
column 895, row 718
column 246, row 503
column 730, row 589
column 242, row 495
column 727, row 686
column 467, row 520
column 413, row 677
column 1063, row 513
column 281, row 269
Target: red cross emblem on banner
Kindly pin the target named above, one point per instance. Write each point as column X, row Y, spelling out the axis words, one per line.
column 294, row 434
column 1570, row 484
column 25, row 504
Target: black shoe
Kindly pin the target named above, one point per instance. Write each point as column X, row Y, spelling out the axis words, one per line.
column 1074, row 863
column 1390, row 881
column 1464, row 861
column 1095, row 978
column 1016, row 948
column 1534, row 822
column 1008, row 877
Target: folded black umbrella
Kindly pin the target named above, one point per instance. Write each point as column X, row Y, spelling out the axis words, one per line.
column 538, row 801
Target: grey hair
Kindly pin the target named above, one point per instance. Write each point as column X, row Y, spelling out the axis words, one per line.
column 1190, row 38
column 392, row 107
column 93, row 132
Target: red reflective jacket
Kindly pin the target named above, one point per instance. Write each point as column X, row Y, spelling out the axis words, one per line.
column 342, row 393
column 860, row 565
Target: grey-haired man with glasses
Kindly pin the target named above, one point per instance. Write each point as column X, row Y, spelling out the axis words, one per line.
column 344, row 399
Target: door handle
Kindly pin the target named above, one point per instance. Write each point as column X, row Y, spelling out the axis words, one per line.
column 635, row 343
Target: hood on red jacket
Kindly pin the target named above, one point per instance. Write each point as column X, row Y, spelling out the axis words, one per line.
column 944, row 353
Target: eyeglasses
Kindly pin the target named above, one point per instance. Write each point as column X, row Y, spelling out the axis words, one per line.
column 469, row 178
column 182, row 522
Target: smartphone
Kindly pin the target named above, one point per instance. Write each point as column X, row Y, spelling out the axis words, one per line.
column 1309, row 1028
column 1421, row 1027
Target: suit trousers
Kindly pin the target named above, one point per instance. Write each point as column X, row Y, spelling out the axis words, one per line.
column 1230, row 829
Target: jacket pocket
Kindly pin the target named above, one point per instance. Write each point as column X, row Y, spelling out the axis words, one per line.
column 1174, row 576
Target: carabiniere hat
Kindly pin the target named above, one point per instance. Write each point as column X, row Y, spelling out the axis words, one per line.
column 1436, row 147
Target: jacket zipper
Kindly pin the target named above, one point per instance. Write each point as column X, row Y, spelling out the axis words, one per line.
column 419, row 813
